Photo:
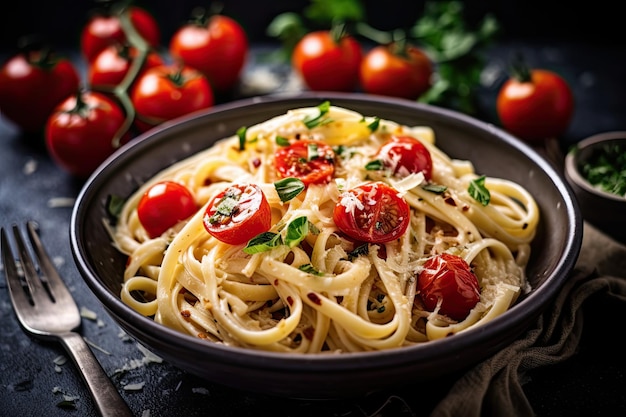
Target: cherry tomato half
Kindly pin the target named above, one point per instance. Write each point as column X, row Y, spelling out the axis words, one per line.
column 111, row 65
column 79, row 134
column 449, row 278
column 311, row 161
column 238, row 214
column 163, row 205
column 328, row 62
column 105, row 29
column 536, row 106
column 32, row 84
column 166, row 92
column 405, row 155
column 402, row 73
column 372, row 212
column 216, row 46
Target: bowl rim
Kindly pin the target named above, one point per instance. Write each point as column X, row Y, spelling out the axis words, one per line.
column 531, row 305
column 573, row 160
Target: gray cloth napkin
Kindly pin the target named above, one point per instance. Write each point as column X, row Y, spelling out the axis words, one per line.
column 494, row 387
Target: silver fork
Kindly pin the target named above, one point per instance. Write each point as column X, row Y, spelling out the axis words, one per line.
column 46, row 309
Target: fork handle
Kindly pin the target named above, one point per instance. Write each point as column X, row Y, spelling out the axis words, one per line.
column 105, row 395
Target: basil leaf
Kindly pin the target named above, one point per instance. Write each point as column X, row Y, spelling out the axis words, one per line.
column 374, row 125
column 297, row 230
column 309, row 269
column 241, row 132
column 478, row 191
column 375, row 165
column 311, row 151
column 288, row 188
column 282, row 141
column 311, row 122
column 263, row 243
column 358, row 251
column 115, row 204
column 435, row 188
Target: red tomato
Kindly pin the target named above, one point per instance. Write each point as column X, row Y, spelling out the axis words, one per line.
column 311, row 161
column 111, row 65
column 105, row 29
column 166, row 92
column 238, row 214
column 535, row 106
column 79, row 134
column 217, row 47
column 405, row 155
column 373, row 213
column 163, row 205
column 32, row 84
column 326, row 62
column 387, row 71
column 449, row 278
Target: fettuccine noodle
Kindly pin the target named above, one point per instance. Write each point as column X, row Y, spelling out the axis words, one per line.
column 190, row 281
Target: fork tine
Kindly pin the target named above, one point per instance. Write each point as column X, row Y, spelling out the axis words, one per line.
column 12, row 275
column 57, row 288
column 35, row 286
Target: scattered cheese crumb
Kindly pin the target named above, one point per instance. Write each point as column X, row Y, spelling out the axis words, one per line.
column 60, row 202
column 200, row 390
column 134, row 387
column 29, row 167
column 88, row 314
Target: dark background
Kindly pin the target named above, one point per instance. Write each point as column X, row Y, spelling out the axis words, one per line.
column 60, row 21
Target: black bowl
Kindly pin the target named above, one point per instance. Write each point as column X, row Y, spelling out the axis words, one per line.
column 603, row 209
column 493, row 152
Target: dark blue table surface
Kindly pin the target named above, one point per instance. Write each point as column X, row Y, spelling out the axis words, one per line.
column 593, row 382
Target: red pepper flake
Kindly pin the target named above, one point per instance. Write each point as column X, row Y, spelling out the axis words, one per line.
column 203, row 336
column 289, row 300
column 276, row 282
column 314, row 298
column 185, row 313
column 450, row 201
column 256, row 162
column 465, row 208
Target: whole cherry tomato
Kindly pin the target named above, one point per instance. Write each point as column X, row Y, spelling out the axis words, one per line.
column 104, row 29
column 217, row 46
column 535, row 105
column 111, row 65
column 238, row 214
column 79, row 134
column 32, row 84
column 372, row 212
column 396, row 70
column 163, row 205
column 450, row 279
column 328, row 60
column 404, row 155
column 311, row 161
column 169, row 91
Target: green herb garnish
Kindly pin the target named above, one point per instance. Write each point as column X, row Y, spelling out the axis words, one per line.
column 262, row 243
column 435, row 188
column 309, row 269
column 478, row 191
column 606, row 169
column 241, row 132
column 315, row 121
column 288, row 188
column 297, row 230
column 282, row 141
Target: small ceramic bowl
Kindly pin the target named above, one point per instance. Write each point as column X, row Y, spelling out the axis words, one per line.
column 603, row 209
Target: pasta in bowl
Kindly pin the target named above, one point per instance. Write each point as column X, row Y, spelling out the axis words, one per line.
column 325, row 233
